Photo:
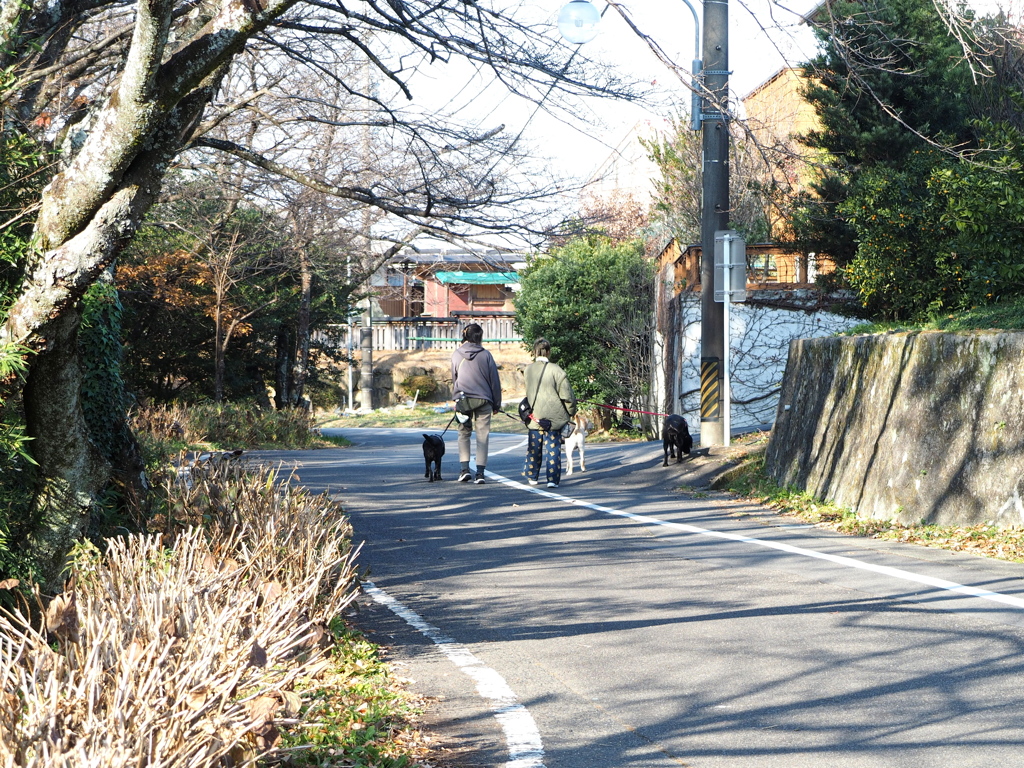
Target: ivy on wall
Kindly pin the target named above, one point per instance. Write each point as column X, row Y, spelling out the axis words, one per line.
column 104, row 401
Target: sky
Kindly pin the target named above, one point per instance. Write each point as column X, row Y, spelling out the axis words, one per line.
column 763, row 37
column 755, row 54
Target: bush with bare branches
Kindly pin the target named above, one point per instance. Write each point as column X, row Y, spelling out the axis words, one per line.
column 182, row 647
column 224, row 425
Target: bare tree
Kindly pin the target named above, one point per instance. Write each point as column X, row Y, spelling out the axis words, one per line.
column 126, row 89
column 229, row 267
column 620, row 215
column 634, row 338
column 677, row 201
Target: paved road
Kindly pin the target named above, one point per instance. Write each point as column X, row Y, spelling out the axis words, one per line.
column 637, row 625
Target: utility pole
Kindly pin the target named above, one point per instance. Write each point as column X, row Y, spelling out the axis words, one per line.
column 366, row 362
column 366, row 394
column 714, row 217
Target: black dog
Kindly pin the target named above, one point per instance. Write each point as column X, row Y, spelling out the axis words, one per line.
column 675, row 438
column 433, row 450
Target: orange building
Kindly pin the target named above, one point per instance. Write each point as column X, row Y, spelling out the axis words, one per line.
column 447, row 283
column 768, row 266
column 776, row 116
column 776, row 112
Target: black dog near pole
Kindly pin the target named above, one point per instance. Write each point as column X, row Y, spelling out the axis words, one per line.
column 676, row 439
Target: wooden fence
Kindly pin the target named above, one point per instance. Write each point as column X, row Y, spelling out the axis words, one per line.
column 422, row 333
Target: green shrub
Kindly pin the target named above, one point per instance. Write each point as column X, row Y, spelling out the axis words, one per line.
column 325, row 395
column 16, row 466
column 425, row 384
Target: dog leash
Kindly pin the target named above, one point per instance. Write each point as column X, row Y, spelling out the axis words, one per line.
column 509, row 415
column 627, row 410
column 454, row 415
column 449, row 424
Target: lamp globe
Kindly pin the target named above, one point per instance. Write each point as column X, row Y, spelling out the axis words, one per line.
column 577, row 21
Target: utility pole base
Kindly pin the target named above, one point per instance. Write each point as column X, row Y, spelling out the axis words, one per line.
column 712, row 432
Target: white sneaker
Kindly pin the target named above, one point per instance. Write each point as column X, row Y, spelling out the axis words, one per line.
column 531, row 481
column 552, row 485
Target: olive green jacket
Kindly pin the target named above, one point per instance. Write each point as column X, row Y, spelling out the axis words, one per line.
column 550, row 394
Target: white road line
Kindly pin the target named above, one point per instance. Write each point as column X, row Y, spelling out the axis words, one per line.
column 521, row 735
column 520, row 444
column 849, row 562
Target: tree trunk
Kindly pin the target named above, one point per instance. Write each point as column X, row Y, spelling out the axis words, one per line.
column 282, row 383
column 72, row 470
column 88, row 213
column 218, row 352
column 301, row 368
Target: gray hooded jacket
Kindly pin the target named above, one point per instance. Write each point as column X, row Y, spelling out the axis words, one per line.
column 475, row 373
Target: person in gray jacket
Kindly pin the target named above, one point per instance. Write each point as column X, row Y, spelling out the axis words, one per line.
column 554, row 403
column 475, row 377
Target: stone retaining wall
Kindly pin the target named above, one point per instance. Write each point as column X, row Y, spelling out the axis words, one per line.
column 391, row 368
column 913, row 427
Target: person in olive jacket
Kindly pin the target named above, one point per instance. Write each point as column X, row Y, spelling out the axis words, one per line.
column 554, row 404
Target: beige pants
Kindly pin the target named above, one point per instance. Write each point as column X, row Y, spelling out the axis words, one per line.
column 481, row 417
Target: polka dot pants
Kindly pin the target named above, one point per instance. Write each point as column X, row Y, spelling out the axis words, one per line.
column 546, row 447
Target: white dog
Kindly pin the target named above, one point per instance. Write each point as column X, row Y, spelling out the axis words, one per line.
column 577, row 441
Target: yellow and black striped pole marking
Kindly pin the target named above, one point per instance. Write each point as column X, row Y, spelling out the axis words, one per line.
column 710, row 388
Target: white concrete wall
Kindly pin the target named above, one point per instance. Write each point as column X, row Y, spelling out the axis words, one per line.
column 759, row 344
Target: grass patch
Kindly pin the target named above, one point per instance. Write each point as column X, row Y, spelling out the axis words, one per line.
column 358, row 714
column 616, row 434
column 333, row 441
column 1006, row 315
column 988, row 540
column 419, row 417
column 239, row 425
column 165, row 431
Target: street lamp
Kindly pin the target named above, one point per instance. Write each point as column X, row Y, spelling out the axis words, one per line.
column 406, row 266
column 710, row 78
column 577, row 21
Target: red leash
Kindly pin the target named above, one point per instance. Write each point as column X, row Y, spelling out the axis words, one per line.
column 627, row 410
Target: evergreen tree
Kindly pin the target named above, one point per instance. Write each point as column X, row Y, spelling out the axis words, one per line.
column 593, row 301
column 915, row 197
column 888, row 79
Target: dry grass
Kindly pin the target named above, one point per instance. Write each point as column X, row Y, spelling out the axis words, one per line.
column 166, row 423
column 225, row 426
column 985, row 539
column 184, row 647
